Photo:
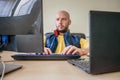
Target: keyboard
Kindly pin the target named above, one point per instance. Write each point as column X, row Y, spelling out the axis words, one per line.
column 81, row 63
column 53, row 56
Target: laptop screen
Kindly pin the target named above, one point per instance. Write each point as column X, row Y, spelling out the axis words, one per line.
column 104, row 41
column 104, row 44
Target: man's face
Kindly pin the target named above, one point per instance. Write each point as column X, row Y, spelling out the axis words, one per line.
column 62, row 22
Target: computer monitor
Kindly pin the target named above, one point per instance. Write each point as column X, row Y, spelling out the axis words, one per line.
column 23, row 20
column 19, row 16
column 33, row 43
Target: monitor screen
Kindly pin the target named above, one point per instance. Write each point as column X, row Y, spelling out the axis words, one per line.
column 18, row 17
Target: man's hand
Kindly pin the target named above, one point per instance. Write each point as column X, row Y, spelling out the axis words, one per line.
column 74, row 50
column 47, row 51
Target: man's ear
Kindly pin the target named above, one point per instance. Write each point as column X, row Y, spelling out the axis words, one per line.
column 69, row 22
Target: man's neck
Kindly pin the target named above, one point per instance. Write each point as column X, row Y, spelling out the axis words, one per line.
column 61, row 33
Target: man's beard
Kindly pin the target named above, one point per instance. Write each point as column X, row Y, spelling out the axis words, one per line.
column 63, row 31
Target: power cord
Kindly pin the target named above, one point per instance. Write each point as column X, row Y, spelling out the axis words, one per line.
column 3, row 44
column 3, row 71
column 3, row 41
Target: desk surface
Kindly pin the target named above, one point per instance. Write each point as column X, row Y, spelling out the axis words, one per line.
column 51, row 70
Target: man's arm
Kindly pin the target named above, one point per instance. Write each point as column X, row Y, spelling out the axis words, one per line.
column 73, row 50
column 46, row 50
column 81, row 51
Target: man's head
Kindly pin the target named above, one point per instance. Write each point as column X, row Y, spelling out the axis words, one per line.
column 63, row 21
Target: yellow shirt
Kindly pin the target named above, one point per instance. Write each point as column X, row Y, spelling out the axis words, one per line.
column 61, row 44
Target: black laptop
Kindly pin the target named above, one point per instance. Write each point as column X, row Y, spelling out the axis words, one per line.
column 104, row 44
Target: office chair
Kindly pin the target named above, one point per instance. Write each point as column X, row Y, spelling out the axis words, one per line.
column 82, row 35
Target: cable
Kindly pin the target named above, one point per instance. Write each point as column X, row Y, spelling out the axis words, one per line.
column 1, row 45
column 3, row 72
column 4, row 41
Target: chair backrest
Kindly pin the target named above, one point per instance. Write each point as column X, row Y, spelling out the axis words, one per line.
column 82, row 35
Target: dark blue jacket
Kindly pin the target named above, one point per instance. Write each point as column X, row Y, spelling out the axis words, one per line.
column 52, row 42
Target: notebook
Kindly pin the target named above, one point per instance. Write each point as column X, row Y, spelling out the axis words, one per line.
column 9, row 68
column 104, row 44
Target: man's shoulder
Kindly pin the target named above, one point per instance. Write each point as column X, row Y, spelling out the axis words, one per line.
column 49, row 35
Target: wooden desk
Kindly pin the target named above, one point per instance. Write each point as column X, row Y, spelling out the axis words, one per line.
column 52, row 70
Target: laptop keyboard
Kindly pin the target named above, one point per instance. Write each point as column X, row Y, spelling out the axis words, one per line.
column 81, row 63
column 9, row 68
column 38, row 56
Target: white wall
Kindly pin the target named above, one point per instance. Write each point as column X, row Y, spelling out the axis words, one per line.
column 78, row 10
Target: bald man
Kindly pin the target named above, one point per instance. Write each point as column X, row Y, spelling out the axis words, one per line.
column 62, row 41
